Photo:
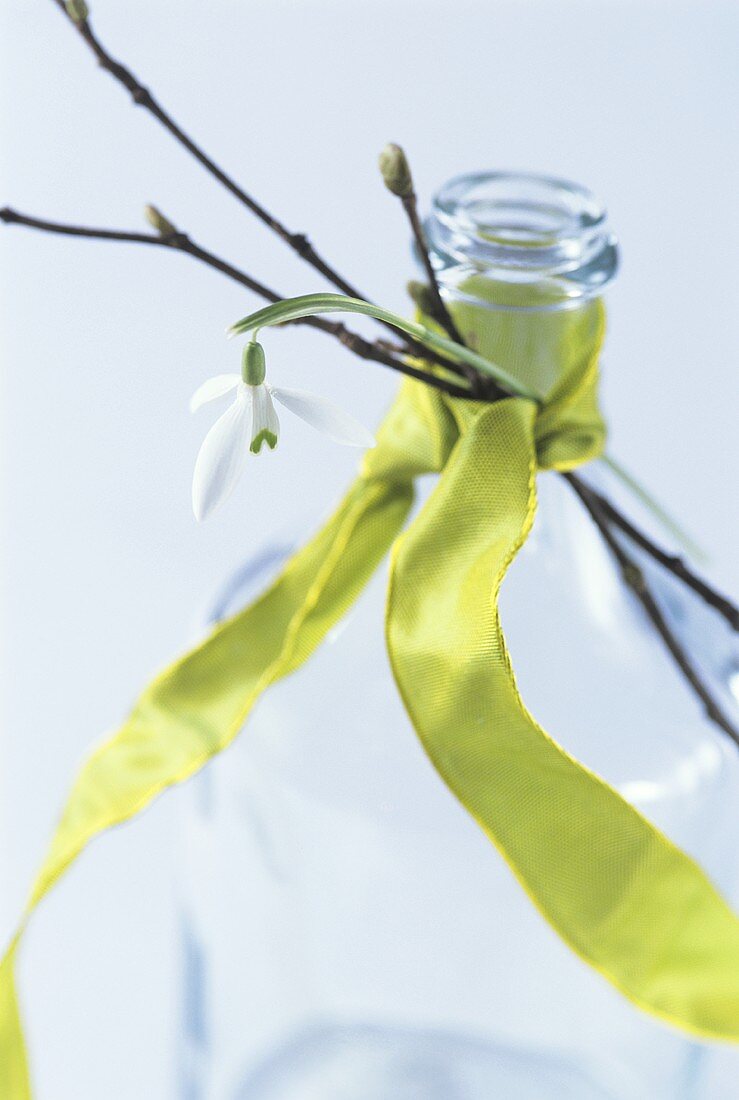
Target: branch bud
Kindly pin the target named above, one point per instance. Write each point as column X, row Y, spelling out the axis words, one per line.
column 158, row 221
column 77, row 10
column 396, row 171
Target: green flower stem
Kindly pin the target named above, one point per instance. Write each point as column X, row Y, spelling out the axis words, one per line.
column 309, row 305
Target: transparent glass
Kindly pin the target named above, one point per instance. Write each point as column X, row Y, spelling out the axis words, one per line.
column 348, row 932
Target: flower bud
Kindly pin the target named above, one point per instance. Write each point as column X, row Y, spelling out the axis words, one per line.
column 158, row 221
column 77, row 10
column 253, row 367
column 396, row 171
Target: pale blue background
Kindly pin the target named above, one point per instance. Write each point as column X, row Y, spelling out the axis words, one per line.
column 105, row 567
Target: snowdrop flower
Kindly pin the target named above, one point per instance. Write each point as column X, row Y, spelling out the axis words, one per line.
column 251, row 422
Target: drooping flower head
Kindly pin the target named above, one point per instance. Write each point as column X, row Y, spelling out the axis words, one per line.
column 251, row 424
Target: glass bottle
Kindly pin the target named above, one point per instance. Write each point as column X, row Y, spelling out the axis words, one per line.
column 348, row 931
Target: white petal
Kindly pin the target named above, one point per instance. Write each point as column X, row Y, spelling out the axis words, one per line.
column 213, row 388
column 265, row 427
column 325, row 417
column 222, row 457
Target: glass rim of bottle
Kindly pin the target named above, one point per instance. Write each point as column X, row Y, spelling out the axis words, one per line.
column 523, row 227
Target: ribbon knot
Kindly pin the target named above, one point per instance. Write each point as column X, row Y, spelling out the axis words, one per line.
column 569, row 429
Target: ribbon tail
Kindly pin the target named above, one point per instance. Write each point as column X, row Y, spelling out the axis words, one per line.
column 629, row 902
column 196, row 707
column 15, row 1082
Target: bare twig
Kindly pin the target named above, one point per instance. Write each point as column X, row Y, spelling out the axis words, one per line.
column 489, row 388
column 398, row 178
column 180, row 242
column 634, row 578
column 410, row 205
column 396, row 172
column 673, row 563
column 298, row 242
column 142, row 97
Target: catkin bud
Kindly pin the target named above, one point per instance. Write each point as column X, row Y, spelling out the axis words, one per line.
column 158, row 221
column 77, row 10
column 396, row 171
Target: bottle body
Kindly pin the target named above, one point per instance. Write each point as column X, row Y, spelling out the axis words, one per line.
column 348, row 931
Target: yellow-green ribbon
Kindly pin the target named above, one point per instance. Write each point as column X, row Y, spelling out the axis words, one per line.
column 626, row 899
column 195, row 708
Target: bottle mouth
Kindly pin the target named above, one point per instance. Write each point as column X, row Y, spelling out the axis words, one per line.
column 523, row 227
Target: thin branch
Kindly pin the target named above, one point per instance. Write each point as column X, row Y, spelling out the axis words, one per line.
column 398, row 178
column 298, row 242
column 180, row 242
column 672, row 562
column 441, row 313
column 142, row 97
column 634, row 578
column 410, row 205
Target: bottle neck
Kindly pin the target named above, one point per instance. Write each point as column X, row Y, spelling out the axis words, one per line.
column 522, row 261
